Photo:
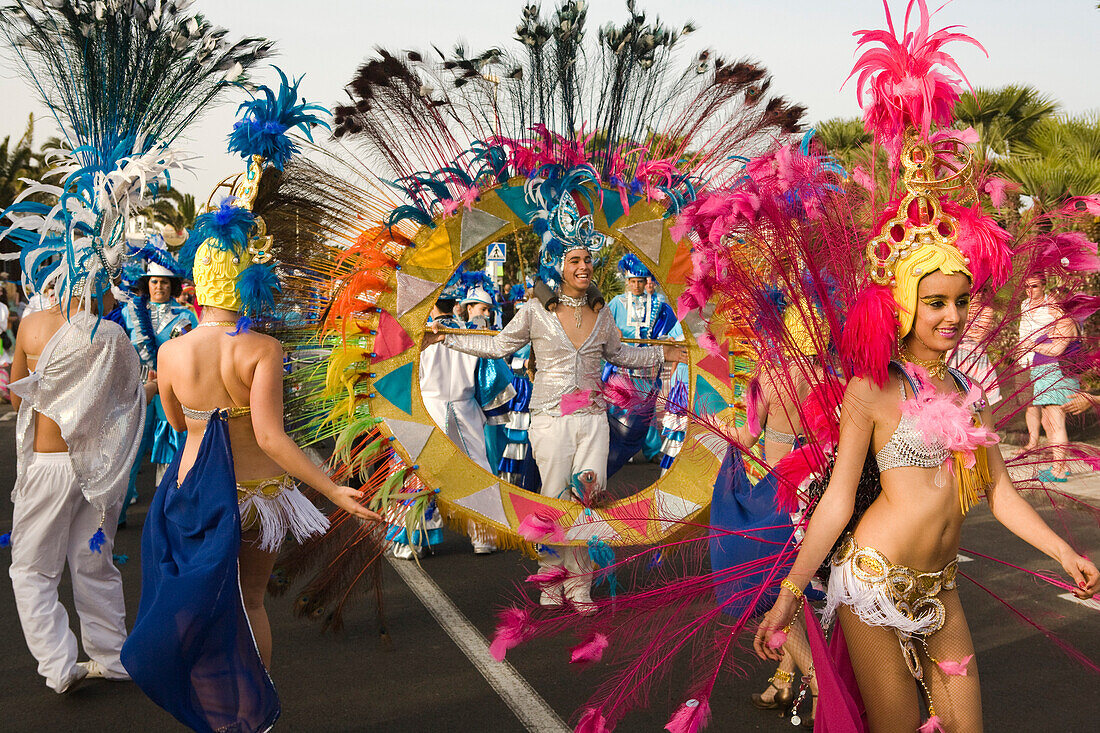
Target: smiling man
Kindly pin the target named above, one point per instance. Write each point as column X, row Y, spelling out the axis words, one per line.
column 569, row 428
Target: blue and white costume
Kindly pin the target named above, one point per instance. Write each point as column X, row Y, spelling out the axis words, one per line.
column 150, row 325
column 645, row 316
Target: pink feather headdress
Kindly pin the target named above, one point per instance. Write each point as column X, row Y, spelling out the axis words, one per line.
column 910, row 79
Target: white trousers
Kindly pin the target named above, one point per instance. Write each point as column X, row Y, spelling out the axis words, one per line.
column 563, row 446
column 52, row 523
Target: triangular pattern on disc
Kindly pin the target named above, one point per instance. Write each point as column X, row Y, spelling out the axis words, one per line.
column 717, row 366
column 412, row 436
column 707, row 399
column 634, row 515
column 391, row 339
column 411, row 292
column 515, row 199
column 397, row 387
column 523, row 506
column 672, row 509
column 646, row 236
column 586, row 526
column 486, row 502
column 476, row 227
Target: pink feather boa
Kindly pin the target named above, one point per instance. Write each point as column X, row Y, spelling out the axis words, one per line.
column 946, row 419
column 983, row 242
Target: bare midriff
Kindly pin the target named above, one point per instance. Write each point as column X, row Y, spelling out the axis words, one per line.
column 914, row 522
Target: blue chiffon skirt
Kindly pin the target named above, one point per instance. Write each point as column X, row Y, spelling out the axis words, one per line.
column 738, row 505
column 192, row 650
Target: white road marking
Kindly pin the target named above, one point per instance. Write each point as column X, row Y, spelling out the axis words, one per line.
column 963, row 558
column 1091, row 603
column 532, row 711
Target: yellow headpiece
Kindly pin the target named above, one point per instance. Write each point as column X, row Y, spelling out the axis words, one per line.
column 216, row 273
column 217, row 270
column 921, row 237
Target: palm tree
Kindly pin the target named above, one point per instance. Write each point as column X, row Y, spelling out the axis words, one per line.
column 1060, row 157
column 16, row 163
column 846, row 139
column 174, row 210
column 1003, row 117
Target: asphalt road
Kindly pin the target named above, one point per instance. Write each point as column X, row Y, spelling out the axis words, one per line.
column 423, row 681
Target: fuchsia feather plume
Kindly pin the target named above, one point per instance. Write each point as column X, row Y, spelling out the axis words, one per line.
column 957, row 669
column 590, row 651
column 1069, row 252
column 692, row 717
column 946, row 419
column 905, row 77
column 870, row 337
column 592, row 721
column 550, row 576
column 619, row 390
column 983, row 242
column 932, row 725
column 535, row 528
column 792, row 471
column 512, row 629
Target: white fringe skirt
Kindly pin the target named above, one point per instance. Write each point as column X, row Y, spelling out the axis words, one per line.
column 884, row 594
column 276, row 507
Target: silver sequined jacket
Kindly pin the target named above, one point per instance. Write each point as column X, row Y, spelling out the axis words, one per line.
column 88, row 381
column 561, row 367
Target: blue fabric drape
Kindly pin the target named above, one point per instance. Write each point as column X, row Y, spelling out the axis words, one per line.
column 192, row 650
column 738, row 505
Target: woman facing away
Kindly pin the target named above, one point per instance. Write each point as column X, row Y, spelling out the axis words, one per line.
column 781, row 391
column 200, row 648
column 910, row 533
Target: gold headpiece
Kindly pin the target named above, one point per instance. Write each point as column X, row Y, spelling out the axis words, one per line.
column 921, row 237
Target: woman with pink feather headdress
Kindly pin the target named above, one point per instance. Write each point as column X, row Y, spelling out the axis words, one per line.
column 892, row 584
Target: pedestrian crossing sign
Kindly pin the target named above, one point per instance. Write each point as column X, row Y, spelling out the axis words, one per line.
column 496, row 252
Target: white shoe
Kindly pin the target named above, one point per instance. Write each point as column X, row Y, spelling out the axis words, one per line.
column 97, row 671
column 73, row 682
column 551, row 599
column 484, row 548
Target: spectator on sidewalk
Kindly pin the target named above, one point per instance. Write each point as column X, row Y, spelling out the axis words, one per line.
column 1045, row 332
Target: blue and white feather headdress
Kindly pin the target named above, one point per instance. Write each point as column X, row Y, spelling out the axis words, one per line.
column 118, row 118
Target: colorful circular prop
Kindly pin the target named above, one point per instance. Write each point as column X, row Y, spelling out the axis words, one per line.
column 465, row 491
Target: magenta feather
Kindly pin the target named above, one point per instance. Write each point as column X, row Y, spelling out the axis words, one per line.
column 592, row 721
column 513, row 628
column 619, row 390
column 1068, row 252
column 870, row 339
column 932, row 725
column 752, row 406
column 910, row 80
column 953, row 668
column 983, row 242
column 539, row 529
column 590, row 651
column 550, row 576
column 692, row 717
column 792, row 471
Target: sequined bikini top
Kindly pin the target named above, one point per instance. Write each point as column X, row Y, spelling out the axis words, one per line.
column 908, row 446
column 230, row 412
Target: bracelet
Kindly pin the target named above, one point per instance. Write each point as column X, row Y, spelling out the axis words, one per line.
column 791, row 587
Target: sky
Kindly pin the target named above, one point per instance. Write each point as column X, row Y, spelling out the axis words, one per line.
column 806, row 44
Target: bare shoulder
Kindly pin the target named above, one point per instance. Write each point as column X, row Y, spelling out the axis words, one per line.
column 251, row 348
